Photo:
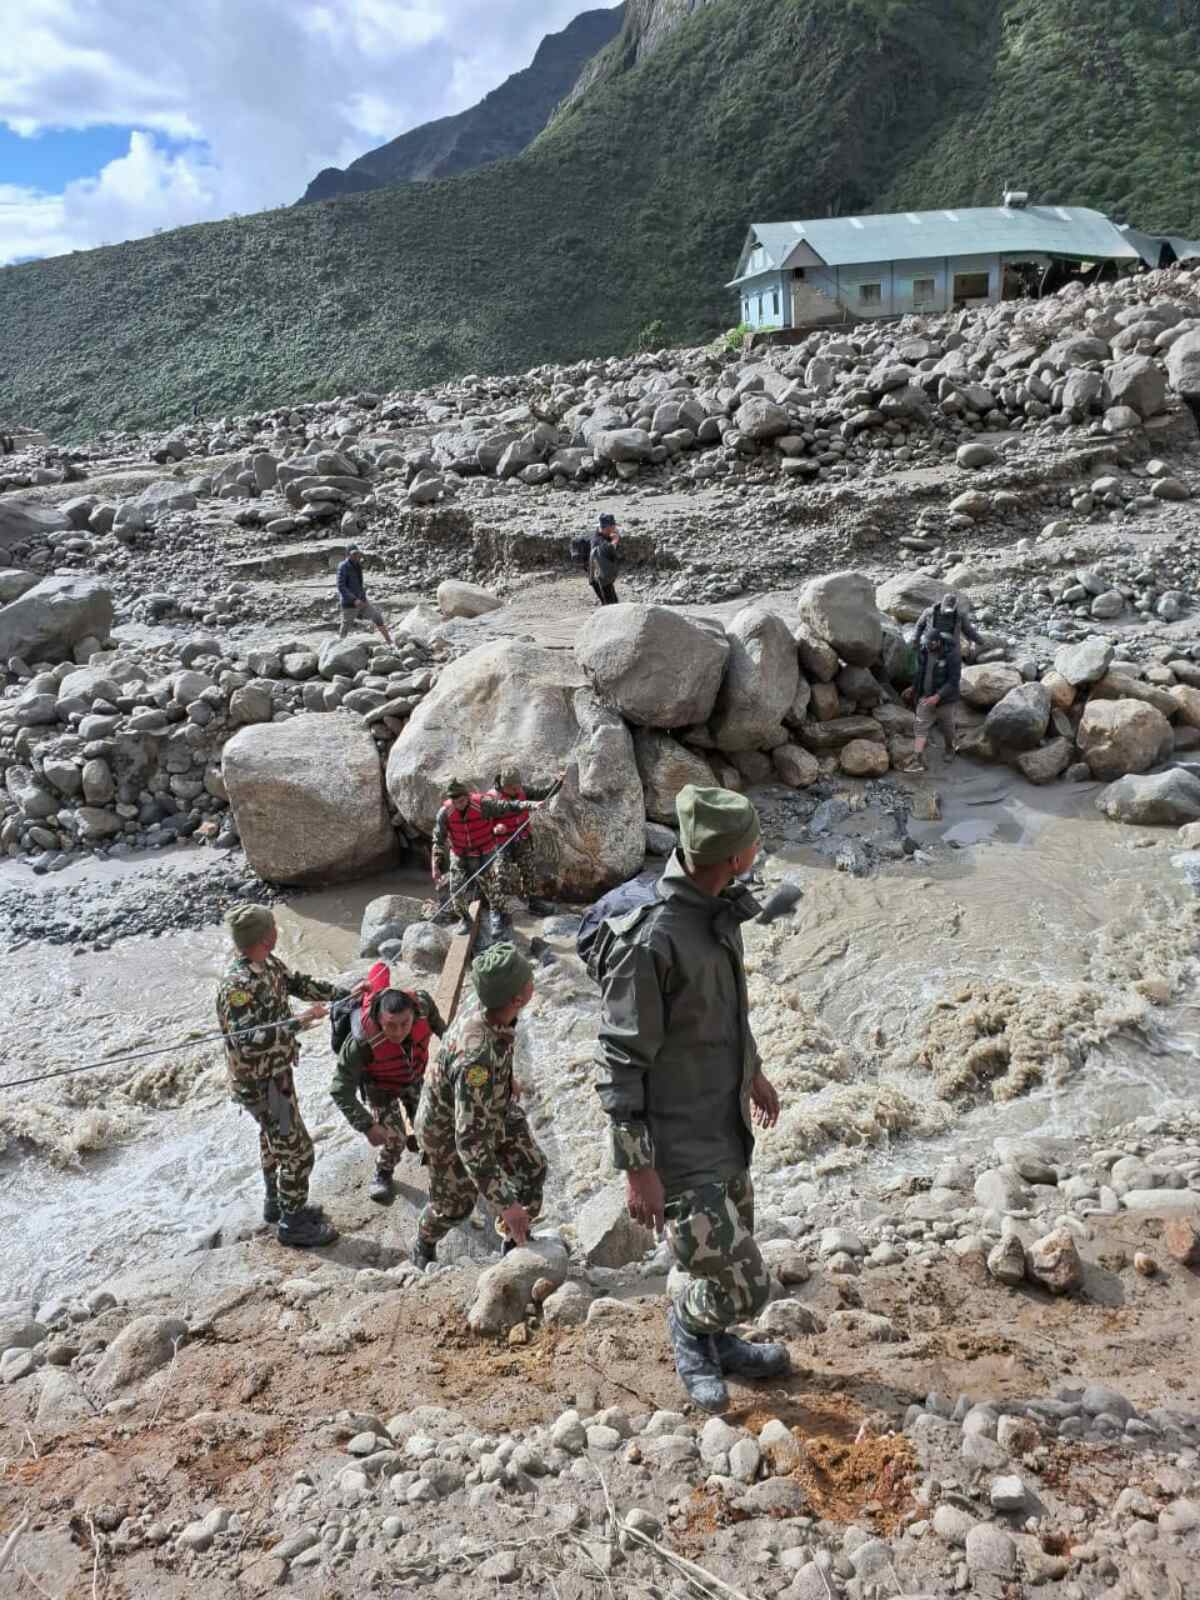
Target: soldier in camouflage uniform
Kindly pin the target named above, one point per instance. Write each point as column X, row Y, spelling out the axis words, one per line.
column 680, row 1078
column 463, row 842
column 261, row 1051
column 473, row 1132
column 514, row 868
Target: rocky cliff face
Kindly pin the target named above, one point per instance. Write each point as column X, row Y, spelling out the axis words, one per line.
column 647, row 24
column 502, row 124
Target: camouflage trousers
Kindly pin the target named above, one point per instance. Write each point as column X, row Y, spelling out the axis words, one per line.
column 452, row 1190
column 512, row 877
column 711, row 1233
column 462, row 868
column 389, row 1112
column 283, row 1141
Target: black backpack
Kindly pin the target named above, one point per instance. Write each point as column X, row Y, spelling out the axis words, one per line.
column 581, row 549
column 341, row 1016
column 618, row 902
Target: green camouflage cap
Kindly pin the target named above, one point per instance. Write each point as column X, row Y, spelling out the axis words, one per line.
column 499, row 975
column 249, row 924
column 456, row 787
column 714, row 824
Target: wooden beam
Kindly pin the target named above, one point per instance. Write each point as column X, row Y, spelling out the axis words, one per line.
column 454, row 968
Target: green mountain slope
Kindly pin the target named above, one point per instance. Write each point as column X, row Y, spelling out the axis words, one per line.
column 630, row 207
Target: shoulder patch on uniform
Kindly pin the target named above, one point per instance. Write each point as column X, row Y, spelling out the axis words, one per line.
column 477, row 1076
column 238, row 997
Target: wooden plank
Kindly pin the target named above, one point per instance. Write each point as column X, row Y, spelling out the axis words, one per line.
column 454, row 968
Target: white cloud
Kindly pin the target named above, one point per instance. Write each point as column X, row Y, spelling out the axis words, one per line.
column 262, row 93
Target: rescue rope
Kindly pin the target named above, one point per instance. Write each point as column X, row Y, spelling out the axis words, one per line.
column 236, row 1033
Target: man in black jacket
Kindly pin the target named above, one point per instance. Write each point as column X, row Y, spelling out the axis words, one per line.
column 935, row 695
column 604, row 560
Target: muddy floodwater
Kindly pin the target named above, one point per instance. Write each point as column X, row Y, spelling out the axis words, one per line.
column 1030, row 969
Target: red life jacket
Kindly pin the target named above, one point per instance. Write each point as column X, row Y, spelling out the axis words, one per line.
column 506, row 826
column 471, row 834
column 392, row 1067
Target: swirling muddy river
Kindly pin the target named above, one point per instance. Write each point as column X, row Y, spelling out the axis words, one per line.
column 1031, row 968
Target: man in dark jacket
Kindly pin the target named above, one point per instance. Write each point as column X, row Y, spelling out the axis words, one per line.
column 352, row 596
column 680, row 1077
column 935, row 694
column 604, row 560
column 948, row 618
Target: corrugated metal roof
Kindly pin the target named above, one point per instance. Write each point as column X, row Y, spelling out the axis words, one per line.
column 1149, row 245
column 956, row 231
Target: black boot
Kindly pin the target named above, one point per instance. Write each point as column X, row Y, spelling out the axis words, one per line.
column 697, row 1365
column 464, row 927
column 746, row 1360
column 423, row 1255
column 271, row 1211
column 497, row 922
column 383, row 1189
column 541, row 908
column 306, row 1229
column 507, row 1248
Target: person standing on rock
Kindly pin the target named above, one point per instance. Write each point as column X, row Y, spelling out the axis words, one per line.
column 261, row 1051
column 604, row 561
column 935, row 694
column 947, row 617
column 380, row 1070
column 513, row 868
column 471, row 1128
column 352, row 597
column 463, row 842
column 679, row 1075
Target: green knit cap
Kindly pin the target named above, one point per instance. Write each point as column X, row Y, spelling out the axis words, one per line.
column 714, row 824
column 499, row 975
column 456, row 787
column 249, row 924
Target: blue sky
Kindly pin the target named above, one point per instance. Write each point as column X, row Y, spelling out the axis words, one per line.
column 118, row 117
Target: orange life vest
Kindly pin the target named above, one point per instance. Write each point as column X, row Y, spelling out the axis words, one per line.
column 392, row 1067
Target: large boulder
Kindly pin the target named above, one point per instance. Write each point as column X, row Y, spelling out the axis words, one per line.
column 1085, row 662
column 665, row 767
column 658, row 668
column 908, row 594
column 986, row 685
column 760, row 682
column 1183, row 366
column 168, row 494
column 510, row 701
column 502, row 1292
column 21, row 520
column 840, row 609
column 387, row 917
column 760, row 418
column 1120, row 736
column 1157, row 799
column 307, row 797
column 49, row 620
column 457, row 599
column 14, row 582
column 1020, row 720
column 141, row 1347
column 1138, row 382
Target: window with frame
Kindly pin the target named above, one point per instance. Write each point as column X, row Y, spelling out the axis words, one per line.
column 775, row 299
column 870, row 294
column 924, row 291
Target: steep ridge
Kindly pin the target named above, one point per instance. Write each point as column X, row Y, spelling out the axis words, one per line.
column 502, row 124
column 629, row 208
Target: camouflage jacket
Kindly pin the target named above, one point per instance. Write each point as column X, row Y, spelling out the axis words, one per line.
column 490, row 806
column 466, row 1102
column 675, row 1054
column 255, row 998
column 349, row 1087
